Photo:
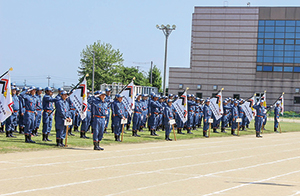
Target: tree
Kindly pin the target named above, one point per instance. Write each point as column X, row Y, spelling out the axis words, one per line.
column 108, row 63
column 156, row 78
column 127, row 73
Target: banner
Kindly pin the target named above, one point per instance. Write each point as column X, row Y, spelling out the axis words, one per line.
column 252, row 102
column 128, row 97
column 216, row 105
column 264, row 97
column 5, row 97
column 180, row 106
column 248, row 110
column 281, row 99
column 79, row 99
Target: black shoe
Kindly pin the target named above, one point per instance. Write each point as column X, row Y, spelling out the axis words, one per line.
column 76, row 129
column 26, row 139
column 47, row 139
column 116, row 137
column 232, row 133
column 70, row 133
column 155, row 134
column 169, row 139
column 215, row 131
column 136, row 135
column 44, row 137
column 151, row 132
column 189, row 131
column 133, row 133
column 62, row 142
column 96, row 147
column 128, row 128
column 7, row 134
column 29, row 139
column 99, row 146
column 84, row 136
column 105, row 131
column 58, row 142
column 81, row 134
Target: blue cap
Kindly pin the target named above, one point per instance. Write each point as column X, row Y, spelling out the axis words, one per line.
column 138, row 94
column 207, row 100
column 48, row 88
column 236, row 101
column 64, row 93
column 176, row 96
column 145, row 95
column 87, row 91
column 24, row 88
column 171, row 95
column 189, row 95
column 192, row 95
column 102, row 93
column 39, row 88
column 201, row 99
column 225, row 101
column 118, row 96
column 278, row 103
column 162, row 97
column 13, row 84
column 13, row 88
column 97, row 93
column 261, row 101
column 169, row 100
column 32, row 88
column 152, row 93
column 107, row 89
column 17, row 88
column 60, row 89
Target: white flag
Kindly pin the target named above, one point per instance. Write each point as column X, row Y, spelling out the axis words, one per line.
column 79, row 99
column 216, row 105
column 248, row 110
column 180, row 106
column 282, row 103
column 128, row 97
column 5, row 98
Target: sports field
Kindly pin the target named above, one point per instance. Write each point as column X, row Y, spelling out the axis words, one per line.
column 242, row 165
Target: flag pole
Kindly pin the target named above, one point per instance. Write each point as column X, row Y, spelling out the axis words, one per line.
column 126, row 85
column 10, row 69
column 70, row 92
column 174, row 133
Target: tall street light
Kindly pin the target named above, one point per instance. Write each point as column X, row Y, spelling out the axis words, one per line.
column 167, row 31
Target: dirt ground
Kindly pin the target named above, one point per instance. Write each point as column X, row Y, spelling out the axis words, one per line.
column 216, row 166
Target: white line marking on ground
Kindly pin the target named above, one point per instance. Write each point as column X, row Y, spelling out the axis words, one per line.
column 297, row 193
column 255, row 182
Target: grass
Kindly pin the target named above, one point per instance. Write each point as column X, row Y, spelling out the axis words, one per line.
column 18, row 144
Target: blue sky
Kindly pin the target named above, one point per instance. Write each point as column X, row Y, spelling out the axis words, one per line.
column 45, row 37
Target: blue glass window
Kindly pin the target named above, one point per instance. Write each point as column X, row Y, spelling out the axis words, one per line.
column 268, row 59
column 269, row 35
column 261, row 35
column 298, row 23
column 297, row 29
column 297, row 47
column 280, row 23
column 279, row 29
column 261, row 22
column 289, row 29
column 269, row 41
column 259, row 68
column 261, row 29
column 260, row 59
column 297, row 60
column 278, row 59
column 278, row 53
column 270, row 23
column 290, row 23
column 289, row 35
column 290, row 41
column 288, row 69
column 269, row 47
column 279, row 41
column 289, row 53
column 270, row 29
column 298, row 41
column 268, row 53
column 260, row 41
column 260, row 52
column 278, row 47
column 297, row 54
column 277, row 68
column 260, row 47
column 298, row 35
column 289, row 47
column 279, row 35
column 268, row 68
column 288, row 60
column 296, row 69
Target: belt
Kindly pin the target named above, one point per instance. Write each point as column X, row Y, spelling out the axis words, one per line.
column 155, row 113
column 29, row 111
column 138, row 112
column 191, row 110
column 242, row 112
column 38, row 110
column 72, row 108
column 88, row 110
column 260, row 116
column 99, row 116
column 47, row 110
column 197, row 112
column 16, row 110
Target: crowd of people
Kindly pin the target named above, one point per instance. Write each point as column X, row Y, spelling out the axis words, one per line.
column 152, row 112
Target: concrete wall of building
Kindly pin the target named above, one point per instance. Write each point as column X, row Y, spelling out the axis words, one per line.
column 223, row 53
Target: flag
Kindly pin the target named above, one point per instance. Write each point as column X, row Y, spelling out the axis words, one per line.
column 216, row 105
column 79, row 99
column 6, row 101
column 248, row 110
column 281, row 99
column 128, row 97
column 264, row 97
column 180, row 106
column 252, row 102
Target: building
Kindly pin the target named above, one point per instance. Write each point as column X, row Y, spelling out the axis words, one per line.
column 244, row 50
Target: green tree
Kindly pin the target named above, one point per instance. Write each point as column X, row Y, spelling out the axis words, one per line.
column 156, row 78
column 126, row 74
column 108, row 63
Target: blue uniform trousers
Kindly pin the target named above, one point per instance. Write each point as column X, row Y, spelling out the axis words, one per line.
column 117, row 125
column 197, row 118
column 168, row 129
column 190, row 119
column 47, row 122
column 38, row 118
column 98, row 126
column 60, row 131
column 86, row 122
column 107, row 119
column 11, row 122
column 144, row 118
column 258, row 123
column 29, row 118
column 137, row 120
column 275, row 122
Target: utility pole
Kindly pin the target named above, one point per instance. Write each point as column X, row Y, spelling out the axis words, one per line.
column 24, row 82
column 48, row 77
column 167, row 31
column 151, row 73
column 93, row 73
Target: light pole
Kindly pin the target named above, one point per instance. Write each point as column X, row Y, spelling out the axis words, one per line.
column 167, row 31
column 93, row 78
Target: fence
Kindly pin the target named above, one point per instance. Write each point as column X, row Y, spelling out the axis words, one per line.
column 117, row 87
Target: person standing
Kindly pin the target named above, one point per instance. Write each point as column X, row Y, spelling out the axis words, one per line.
column 154, row 108
column 144, row 103
column 99, row 114
column 39, row 107
column 207, row 114
column 119, row 114
column 86, row 122
column 137, row 116
column 11, row 121
column 168, row 115
column 62, row 113
column 108, row 101
column 235, row 116
column 259, row 118
column 277, row 111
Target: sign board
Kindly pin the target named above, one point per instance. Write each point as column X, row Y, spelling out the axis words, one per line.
column 172, row 122
column 123, row 121
column 210, row 120
column 238, row 120
column 66, row 123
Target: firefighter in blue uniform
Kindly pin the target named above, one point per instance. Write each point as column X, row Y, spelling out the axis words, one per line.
column 62, row 113
column 86, row 122
column 30, row 113
column 99, row 113
column 154, row 108
column 241, row 114
column 191, row 113
column 108, row 100
column 168, row 115
column 225, row 116
column 160, row 113
column 39, row 108
column 137, row 116
column 207, row 114
column 48, row 108
column 145, row 111
column 235, row 116
column 197, row 112
column 119, row 114
column 11, row 121
column 277, row 111
column 22, row 110
column 259, row 118
column 72, row 113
